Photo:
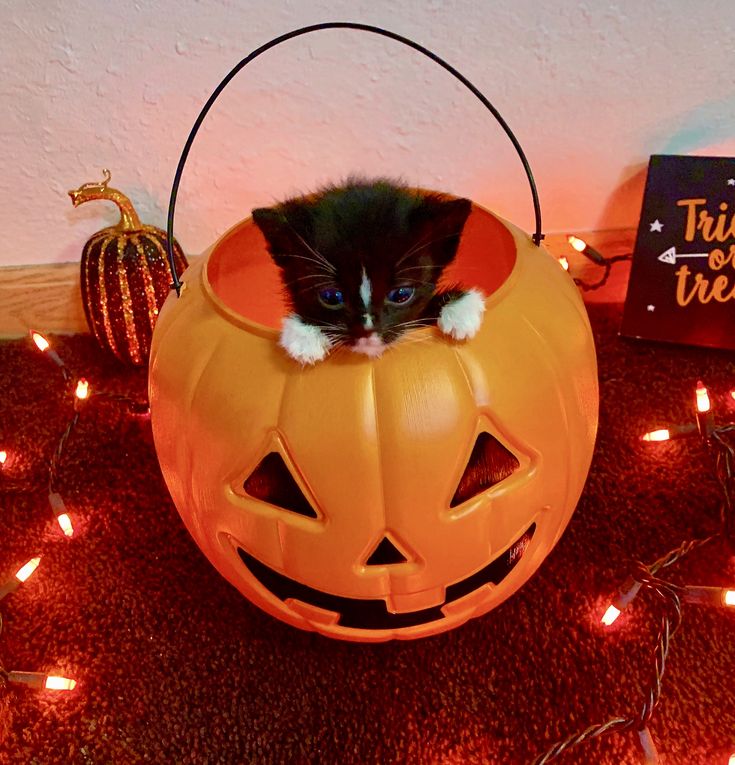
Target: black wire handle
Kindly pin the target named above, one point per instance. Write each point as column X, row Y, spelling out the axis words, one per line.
column 176, row 284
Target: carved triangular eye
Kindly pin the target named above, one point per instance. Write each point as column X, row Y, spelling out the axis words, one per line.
column 385, row 554
column 489, row 463
column 272, row 482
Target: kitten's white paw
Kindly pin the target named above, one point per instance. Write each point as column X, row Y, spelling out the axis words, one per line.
column 462, row 318
column 303, row 342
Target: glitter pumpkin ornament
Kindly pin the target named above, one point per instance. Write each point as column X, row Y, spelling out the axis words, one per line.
column 346, row 497
column 124, row 276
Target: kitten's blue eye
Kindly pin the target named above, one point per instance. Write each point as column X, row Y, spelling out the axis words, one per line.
column 400, row 295
column 331, row 298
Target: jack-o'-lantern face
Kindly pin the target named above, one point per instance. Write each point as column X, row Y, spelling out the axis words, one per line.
column 371, row 499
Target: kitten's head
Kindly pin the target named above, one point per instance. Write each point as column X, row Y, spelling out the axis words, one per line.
column 362, row 260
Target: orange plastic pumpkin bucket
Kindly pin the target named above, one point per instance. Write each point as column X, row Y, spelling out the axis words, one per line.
column 373, row 531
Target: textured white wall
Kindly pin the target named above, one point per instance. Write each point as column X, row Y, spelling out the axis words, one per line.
column 591, row 89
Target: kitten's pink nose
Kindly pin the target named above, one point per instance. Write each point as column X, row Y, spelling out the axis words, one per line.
column 371, row 345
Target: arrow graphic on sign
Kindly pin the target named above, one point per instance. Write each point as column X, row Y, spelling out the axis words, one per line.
column 671, row 255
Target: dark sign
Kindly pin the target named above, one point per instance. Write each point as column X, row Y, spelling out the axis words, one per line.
column 682, row 281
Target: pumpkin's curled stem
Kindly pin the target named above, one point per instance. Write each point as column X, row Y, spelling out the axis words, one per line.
column 129, row 220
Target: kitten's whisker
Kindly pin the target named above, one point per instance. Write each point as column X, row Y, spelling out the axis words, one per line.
column 406, row 340
column 402, row 275
column 419, row 246
column 320, row 262
column 338, row 344
column 411, row 250
column 411, row 330
column 417, row 320
column 417, row 268
column 319, row 286
column 328, row 325
column 321, row 274
column 408, row 326
column 313, row 285
column 426, row 321
column 408, row 280
column 314, row 252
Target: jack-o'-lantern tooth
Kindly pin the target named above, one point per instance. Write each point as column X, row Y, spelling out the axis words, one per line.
column 385, row 554
column 489, row 463
column 272, row 482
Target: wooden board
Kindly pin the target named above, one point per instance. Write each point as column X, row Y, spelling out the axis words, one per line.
column 44, row 297
column 48, row 297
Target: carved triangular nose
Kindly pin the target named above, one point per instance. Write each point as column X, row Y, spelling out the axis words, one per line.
column 385, row 554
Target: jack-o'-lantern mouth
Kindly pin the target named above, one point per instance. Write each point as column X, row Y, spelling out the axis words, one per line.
column 373, row 614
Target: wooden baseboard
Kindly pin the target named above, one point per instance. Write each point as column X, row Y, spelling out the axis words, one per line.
column 48, row 297
column 44, row 297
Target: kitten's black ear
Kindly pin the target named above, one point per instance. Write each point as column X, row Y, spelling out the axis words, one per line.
column 274, row 227
column 280, row 231
column 440, row 222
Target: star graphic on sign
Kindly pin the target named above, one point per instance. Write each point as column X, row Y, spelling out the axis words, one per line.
column 731, row 181
column 657, row 225
column 650, row 308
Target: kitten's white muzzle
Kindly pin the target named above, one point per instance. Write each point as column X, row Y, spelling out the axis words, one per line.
column 371, row 345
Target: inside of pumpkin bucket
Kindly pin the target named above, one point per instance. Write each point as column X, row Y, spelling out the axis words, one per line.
column 243, row 276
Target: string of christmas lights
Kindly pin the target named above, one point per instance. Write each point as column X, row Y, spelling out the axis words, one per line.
column 668, row 596
column 81, row 396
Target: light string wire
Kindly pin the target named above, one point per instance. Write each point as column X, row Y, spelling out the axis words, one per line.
column 606, row 262
column 668, row 594
column 607, row 266
column 135, row 407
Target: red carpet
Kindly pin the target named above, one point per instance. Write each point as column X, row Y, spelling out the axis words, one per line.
column 174, row 666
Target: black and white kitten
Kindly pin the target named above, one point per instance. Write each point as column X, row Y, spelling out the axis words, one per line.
column 360, row 265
